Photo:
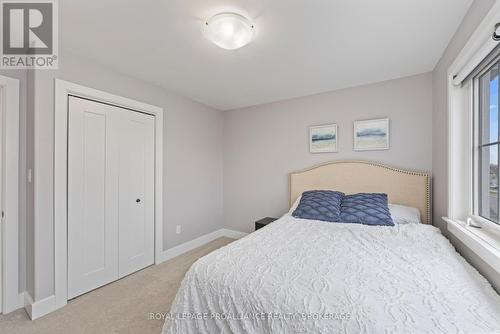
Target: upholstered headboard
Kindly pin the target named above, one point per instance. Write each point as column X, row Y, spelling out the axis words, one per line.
column 403, row 187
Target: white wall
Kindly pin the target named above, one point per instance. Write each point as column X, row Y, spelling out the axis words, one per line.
column 263, row 144
column 193, row 145
column 472, row 19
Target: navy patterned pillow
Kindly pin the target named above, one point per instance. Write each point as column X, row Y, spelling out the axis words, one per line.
column 320, row 205
column 367, row 209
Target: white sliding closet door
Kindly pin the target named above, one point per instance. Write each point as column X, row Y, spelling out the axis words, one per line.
column 136, row 192
column 110, row 194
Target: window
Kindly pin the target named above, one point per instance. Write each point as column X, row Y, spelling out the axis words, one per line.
column 488, row 149
column 473, row 215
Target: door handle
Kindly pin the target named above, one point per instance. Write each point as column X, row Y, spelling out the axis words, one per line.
column 138, row 200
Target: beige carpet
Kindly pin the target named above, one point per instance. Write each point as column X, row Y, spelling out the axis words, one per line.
column 119, row 307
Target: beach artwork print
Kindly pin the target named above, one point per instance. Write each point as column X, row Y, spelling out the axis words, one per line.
column 371, row 135
column 323, row 138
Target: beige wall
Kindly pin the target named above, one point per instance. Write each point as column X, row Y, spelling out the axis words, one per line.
column 263, row 144
column 192, row 159
column 472, row 19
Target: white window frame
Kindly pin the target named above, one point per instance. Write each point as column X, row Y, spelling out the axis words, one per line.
column 475, row 110
column 62, row 91
column 462, row 139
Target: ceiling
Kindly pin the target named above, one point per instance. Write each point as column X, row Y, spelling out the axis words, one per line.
column 301, row 47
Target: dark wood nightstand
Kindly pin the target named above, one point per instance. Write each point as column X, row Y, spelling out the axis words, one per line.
column 263, row 222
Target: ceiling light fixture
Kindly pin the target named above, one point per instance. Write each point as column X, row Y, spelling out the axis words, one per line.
column 229, row 31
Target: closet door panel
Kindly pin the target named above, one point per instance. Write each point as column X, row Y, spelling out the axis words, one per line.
column 92, row 218
column 136, row 192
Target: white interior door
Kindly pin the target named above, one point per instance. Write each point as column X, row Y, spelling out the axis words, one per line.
column 92, row 190
column 136, row 194
column 110, row 194
column 1, row 199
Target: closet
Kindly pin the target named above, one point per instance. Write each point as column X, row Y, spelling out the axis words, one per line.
column 110, row 193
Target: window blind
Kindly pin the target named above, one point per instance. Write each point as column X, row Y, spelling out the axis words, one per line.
column 483, row 65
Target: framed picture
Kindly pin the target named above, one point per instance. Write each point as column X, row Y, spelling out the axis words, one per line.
column 323, row 138
column 371, row 135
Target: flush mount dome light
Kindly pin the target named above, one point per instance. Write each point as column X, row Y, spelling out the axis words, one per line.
column 229, row 31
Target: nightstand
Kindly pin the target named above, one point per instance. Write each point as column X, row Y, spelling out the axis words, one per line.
column 263, row 222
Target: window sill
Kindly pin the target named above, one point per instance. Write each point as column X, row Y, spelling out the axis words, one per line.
column 484, row 243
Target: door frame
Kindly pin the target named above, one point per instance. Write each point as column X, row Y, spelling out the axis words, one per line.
column 63, row 89
column 10, row 183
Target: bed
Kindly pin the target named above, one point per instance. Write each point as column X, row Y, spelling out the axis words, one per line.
column 307, row 276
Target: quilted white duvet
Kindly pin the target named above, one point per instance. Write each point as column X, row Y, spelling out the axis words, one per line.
column 304, row 276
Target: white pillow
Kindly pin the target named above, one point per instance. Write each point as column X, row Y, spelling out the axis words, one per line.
column 295, row 205
column 404, row 214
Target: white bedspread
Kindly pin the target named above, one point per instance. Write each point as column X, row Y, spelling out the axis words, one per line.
column 304, row 276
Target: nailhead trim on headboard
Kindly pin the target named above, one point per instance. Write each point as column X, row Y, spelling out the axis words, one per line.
column 395, row 169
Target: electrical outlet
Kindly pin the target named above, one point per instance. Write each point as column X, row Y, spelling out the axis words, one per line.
column 178, row 229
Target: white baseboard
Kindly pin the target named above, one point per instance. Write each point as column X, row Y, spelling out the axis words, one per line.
column 187, row 246
column 39, row 308
column 233, row 234
column 200, row 241
column 42, row 307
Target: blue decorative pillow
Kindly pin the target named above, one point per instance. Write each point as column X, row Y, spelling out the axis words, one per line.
column 367, row 209
column 320, row 205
